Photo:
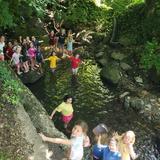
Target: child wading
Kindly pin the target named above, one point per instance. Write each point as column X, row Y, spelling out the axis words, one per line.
column 53, row 61
column 15, row 59
column 66, row 109
column 75, row 62
column 76, row 142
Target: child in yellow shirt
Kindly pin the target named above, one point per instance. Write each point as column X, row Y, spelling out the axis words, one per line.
column 53, row 61
column 66, row 110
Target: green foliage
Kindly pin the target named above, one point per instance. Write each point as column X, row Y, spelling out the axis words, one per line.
column 151, row 56
column 86, row 13
column 11, row 88
column 120, row 6
column 6, row 18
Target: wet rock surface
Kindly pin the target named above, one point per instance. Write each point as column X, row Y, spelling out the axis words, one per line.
column 30, row 77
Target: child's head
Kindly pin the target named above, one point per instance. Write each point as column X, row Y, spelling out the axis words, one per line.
column 2, row 38
column 24, row 40
column 27, row 38
column 69, row 32
column 63, row 31
column 77, row 56
column 79, row 128
column 68, row 99
column 53, row 53
column 9, row 44
column 113, row 145
column 129, row 137
column 33, row 38
column 18, row 49
column 52, row 33
column 31, row 45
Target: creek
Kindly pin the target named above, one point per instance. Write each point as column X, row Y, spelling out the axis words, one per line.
column 95, row 103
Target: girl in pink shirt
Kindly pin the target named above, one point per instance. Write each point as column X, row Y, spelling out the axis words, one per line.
column 32, row 54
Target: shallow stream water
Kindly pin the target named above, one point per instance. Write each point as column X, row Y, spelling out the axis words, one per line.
column 94, row 103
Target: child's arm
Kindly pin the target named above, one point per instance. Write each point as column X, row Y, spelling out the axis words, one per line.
column 54, row 111
column 55, row 140
column 61, row 23
column 55, row 26
column 132, row 152
column 99, row 140
column 45, row 28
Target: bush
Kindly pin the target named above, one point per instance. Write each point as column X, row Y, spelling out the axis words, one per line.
column 151, row 56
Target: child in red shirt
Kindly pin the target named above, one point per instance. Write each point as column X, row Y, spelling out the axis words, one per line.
column 75, row 62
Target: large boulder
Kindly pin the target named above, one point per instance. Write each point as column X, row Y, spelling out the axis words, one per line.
column 111, row 73
column 30, row 77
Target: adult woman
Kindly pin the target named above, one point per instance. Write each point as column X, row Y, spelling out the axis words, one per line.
column 66, row 110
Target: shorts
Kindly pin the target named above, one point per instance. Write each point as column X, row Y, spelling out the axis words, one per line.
column 74, row 70
column 53, row 70
column 67, row 119
column 61, row 45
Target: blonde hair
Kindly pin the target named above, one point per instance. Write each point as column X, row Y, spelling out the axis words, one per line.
column 132, row 135
column 123, row 148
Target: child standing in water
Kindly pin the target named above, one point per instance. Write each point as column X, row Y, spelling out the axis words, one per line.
column 76, row 142
column 16, row 59
column 53, row 61
column 75, row 62
column 32, row 55
column 111, row 152
column 69, row 42
column 66, row 109
column 39, row 59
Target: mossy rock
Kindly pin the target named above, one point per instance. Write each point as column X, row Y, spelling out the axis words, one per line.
column 111, row 73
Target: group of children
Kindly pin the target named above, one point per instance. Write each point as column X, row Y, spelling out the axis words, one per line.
column 23, row 54
column 107, row 146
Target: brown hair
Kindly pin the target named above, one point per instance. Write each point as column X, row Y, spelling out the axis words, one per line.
column 83, row 124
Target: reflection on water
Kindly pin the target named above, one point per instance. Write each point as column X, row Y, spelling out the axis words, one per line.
column 94, row 103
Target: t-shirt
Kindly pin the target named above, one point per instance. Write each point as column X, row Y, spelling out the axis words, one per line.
column 32, row 52
column 70, row 46
column 53, row 61
column 65, row 108
column 98, row 150
column 1, row 47
column 15, row 58
column 75, row 62
column 9, row 53
column 76, row 148
column 61, row 39
column 109, row 155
